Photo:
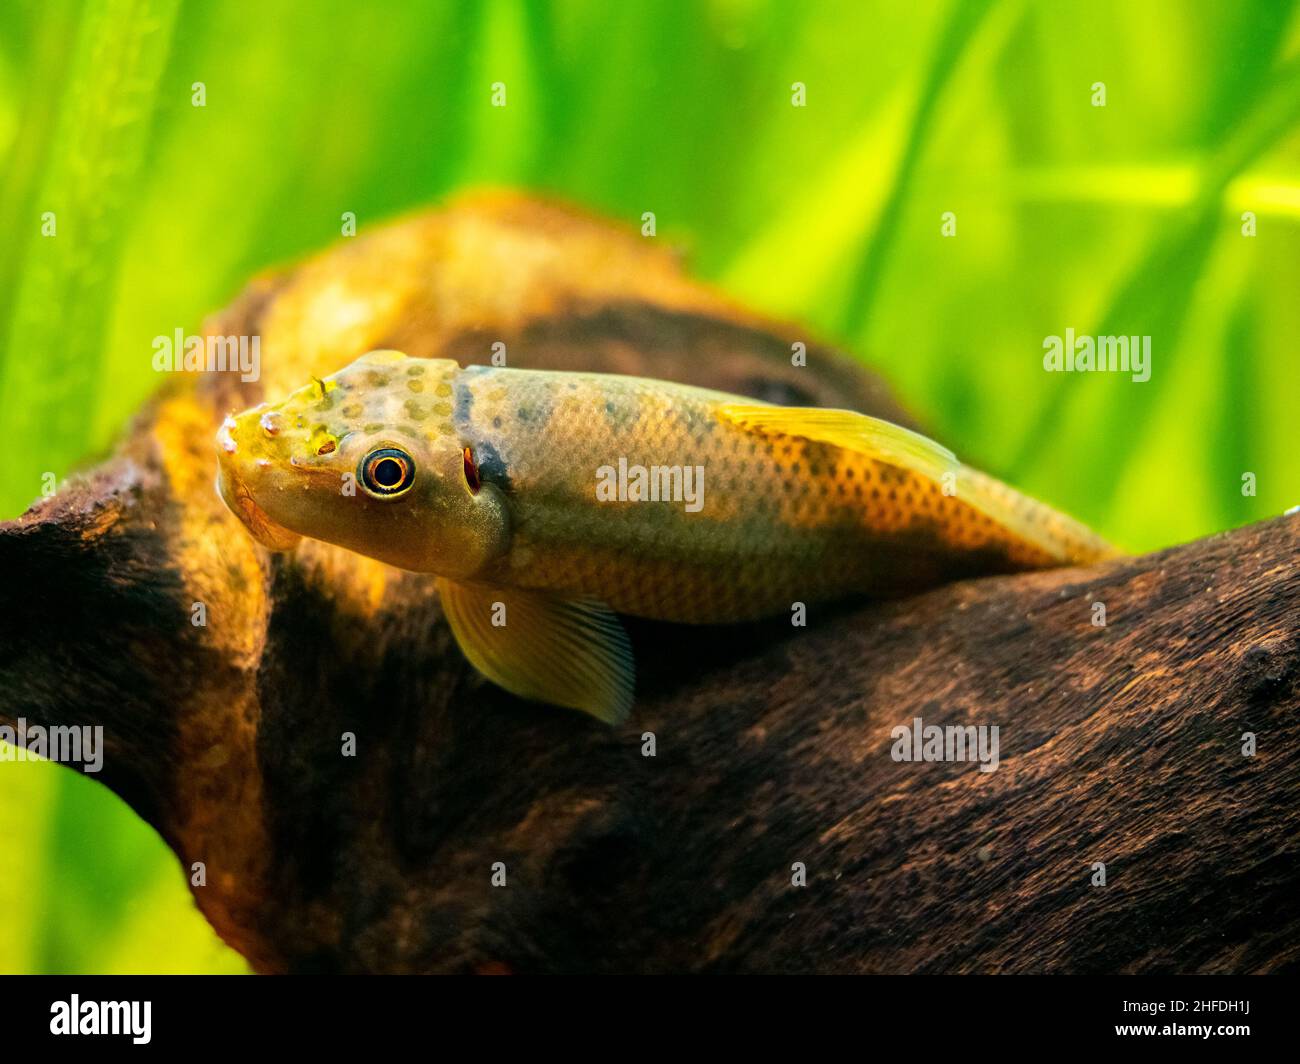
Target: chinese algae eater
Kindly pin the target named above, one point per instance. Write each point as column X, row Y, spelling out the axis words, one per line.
column 548, row 502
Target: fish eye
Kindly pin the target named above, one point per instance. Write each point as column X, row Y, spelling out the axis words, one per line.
column 387, row 472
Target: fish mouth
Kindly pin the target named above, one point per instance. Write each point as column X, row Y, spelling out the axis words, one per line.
column 239, row 500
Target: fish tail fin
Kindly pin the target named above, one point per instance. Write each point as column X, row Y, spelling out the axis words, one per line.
column 1059, row 536
column 1055, row 539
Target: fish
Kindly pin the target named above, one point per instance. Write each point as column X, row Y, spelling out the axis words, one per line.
column 548, row 503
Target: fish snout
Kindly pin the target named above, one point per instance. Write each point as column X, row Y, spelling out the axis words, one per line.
column 233, row 488
column 226, row 443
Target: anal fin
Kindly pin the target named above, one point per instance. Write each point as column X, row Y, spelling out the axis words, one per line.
column 567, row 652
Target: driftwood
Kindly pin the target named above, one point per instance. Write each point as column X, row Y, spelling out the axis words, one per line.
column 1119, row 744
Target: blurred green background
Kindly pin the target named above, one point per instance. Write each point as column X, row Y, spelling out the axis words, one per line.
column 1123, row 219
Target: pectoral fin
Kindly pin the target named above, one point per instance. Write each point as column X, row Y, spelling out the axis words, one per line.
column 571, row 653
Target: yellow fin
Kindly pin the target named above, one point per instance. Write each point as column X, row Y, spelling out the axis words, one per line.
column 567, row 652
column 882, row 440
column 1057, row 535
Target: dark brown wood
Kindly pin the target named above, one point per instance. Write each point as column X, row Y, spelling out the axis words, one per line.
column 1119, row 744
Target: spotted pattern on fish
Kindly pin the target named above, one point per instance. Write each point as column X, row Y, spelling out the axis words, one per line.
column 522, row 491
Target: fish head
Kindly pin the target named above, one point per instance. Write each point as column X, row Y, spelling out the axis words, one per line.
column 369, row 459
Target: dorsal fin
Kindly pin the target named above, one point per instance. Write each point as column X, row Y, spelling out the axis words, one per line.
column 1051, row 531
column 881, row 440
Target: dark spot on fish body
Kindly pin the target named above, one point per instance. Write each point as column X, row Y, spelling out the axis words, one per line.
column 464, row 404
column 536, row 416
column 690, row 418
column 622, row 418
column 491, row 466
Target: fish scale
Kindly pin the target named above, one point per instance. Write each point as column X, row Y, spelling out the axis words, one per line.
column 784, row 519
column 519, row 489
